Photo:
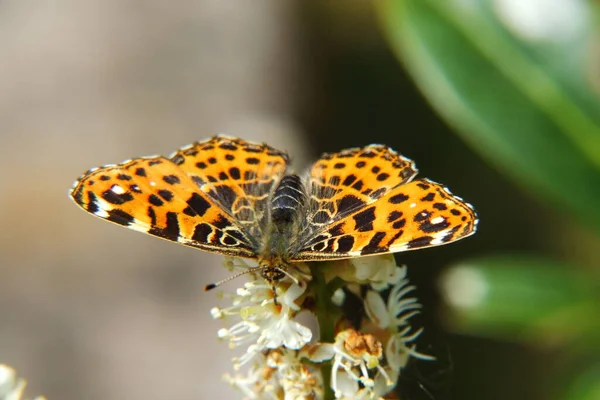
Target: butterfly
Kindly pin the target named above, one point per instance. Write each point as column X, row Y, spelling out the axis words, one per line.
column 237, row 198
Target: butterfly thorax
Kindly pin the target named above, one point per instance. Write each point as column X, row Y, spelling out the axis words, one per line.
column 285, row 219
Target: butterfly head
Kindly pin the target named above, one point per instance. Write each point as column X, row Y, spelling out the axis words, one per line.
column 273, row 270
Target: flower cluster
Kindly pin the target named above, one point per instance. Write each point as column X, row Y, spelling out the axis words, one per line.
column 286, row 361
column 11, row 387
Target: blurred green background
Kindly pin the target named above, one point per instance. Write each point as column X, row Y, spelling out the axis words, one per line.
column 499, row 100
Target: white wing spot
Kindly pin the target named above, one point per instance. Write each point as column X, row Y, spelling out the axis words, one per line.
column 413, row 205
column 438, row 220
column 117, row 189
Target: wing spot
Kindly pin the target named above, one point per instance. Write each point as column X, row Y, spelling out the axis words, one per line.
column 382, row 176
column 252, row 160
column 152, row 216
column 115, row 198
column 374, row 245
column 223, row 176
column 422, row 216
column 337, row 230
column 201, row 233
column 399, row 224
column 429, row 226
column 201, row 165
column 104, row 178
column 171, row 231
column 395, row 237
column 92, row 205
column 339, row 165
column 428, row 197
column 212, row 160
column 349, row 202
column 124, row 177
column 140, row 171
column 454, row 211
column 155, row 200
column 423, row 241
column 375, row 169
column 228, row 241
column 440, row 206
column 358, row 185
column 399, row 198
column 349, row 180
column 394, row 215
column 171, row 179
column 360, row 164
column 229, row 157
column 166, row 194
column 117, row 189
column 198, row 204
column 120, row 217
column 364, row 220
column 154, row 162
column 235, row 173
column 345, row 244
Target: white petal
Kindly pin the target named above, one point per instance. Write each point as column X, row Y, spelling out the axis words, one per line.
column 376, row 309
column 318, row 352
column 345, row 385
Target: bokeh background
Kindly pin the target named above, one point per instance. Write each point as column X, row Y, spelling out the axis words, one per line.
column 498, row 99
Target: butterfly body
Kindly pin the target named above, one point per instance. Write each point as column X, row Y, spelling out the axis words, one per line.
column 236, row 198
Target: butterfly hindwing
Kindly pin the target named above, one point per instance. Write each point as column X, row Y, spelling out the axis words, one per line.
column 418, row 214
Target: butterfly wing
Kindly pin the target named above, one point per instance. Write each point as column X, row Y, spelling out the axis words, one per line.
column 237, row 175
column 385, row 212
column 179, row 199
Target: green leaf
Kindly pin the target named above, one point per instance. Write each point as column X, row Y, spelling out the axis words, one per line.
column 525, row 102
column 584, row 384
column 523, row 299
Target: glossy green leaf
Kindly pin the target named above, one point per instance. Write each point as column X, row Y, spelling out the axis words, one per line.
column 524, row 97
column 584, row 384
column 523, row 298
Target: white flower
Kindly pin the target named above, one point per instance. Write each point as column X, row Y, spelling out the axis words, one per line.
column 256, row 383
column 379, row 271
column 264, row 324
column 11, row 387
column 349, row 388
column 279, row 374
column 355, row 354
column 394, row 317
column 398, row 310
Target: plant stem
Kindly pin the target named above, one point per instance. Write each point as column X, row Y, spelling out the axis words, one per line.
column 327, row 315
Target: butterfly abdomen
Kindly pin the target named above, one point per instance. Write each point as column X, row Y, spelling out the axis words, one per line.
column 287, row 200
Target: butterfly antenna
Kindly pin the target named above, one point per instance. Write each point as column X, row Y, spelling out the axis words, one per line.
column 211, row 286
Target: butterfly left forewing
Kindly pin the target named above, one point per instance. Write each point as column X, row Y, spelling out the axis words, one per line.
column 414, row 215
column 154, row 196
